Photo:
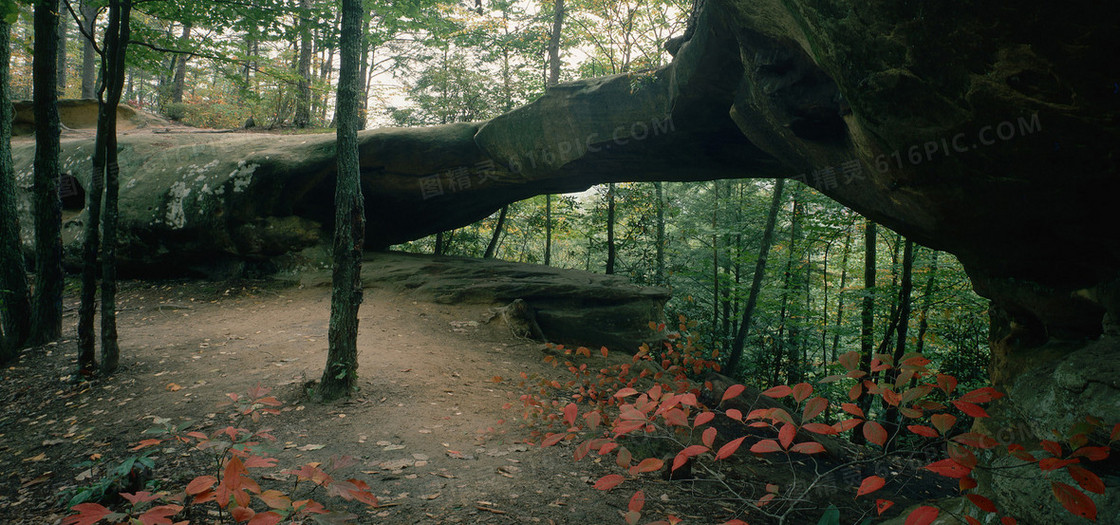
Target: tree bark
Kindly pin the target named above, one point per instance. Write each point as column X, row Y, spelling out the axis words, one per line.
column 867, row 314
column 659, row 250
column 492, row 246
column 548, row 229
column 341, row 371
column 116, row 45
column 554, row 43
column 302, row 116
column 15, row 303
column 47, row 301
column 89, row 56
column 732, row 368
column 840, row 295
column 180, row 80
column 927, row 298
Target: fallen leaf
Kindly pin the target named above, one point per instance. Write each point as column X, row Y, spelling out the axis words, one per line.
column 41, row 478
column 42, row 456
column 172, row 387
column 305, row 448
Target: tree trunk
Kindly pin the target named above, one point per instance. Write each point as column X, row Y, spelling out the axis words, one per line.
column 554, row 43
column 659, row 250
column 89, row 56
column 789, row 347
column 340, row 374
column 63, row 23
column 927, row 297
column 891, row 416
column 47, row 303
column 302, row 116
column 610, row 229
column 438, row 250
column 548, row 229
column 363, row 101
column 116, row 45
column 15, row 303
column 178, row 84
column 867, row 314
column 716, row 296
column 493, row 245
column 732, row 368
column 840, row 295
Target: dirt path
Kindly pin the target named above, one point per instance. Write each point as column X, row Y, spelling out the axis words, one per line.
column 424, row 424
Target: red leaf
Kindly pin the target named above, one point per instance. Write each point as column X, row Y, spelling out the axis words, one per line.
column 786, row 435
column 732, row 392
column 852, row 409
column 981, row 395
column 820, row 428
column 766, row 445
column 266, row 518
column 709, row 437
column 1048, row 464
column 778, row 392
column 943, row 422
column 703, row 418
column 881, row 505
column 967, row 483
column 609, row 481
column 140, row 497
column 240, row 514
column 570, row 413
column 970, row 409
column 625, row 392
column 946, row 383
column 694, row 450
column 875, row 433
column 813, row 408
column 847, row 424
column 734, row 414
column 552, row 439
column 949, row 468
column 649, row 465
column 678, row 461
column 146, row 443
column 891, row 397
column 976, row 440
column 160, row 515
column 1075, row 501
column 922, row 516
column 801, row 391
column 870, row 484
column 1008, row 520
column 729, row 448
column 259, row 461
column 808, row 447
column 972, row 521
column 855, row 391
column 1052, row 448
column 922, row 430
column 1086, row 479
column 637, row 501
column 981, row 502
column 1092, row 453
column 1115, row 433
column 850, row 360
column 88, row 514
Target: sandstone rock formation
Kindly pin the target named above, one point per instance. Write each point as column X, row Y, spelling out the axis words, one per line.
column 989, row 130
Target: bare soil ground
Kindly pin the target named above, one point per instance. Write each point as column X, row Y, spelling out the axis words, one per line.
column 424, row 425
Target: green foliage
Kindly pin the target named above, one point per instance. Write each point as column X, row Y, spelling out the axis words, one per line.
column 108, row 482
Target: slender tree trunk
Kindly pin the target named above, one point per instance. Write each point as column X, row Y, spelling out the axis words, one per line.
column 554, row 43
column 789, row 347
column 548, row 229
column 47, row 301
column 89, row 56
column 867, row 314
column 15, row 303
column 927, row 297
column 438, row 250
column 891, row 417
column 659, row 272
column 117, row 36
column 493, row 245
column 840, row 295
column 302, row 116
column 179, row 83
column 732, row 368
column 611, row 254
column 341, row 371
column 363, row 101
column 63, row 23
column 716, row 296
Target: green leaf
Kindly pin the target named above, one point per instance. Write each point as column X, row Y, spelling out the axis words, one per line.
column 831, row 516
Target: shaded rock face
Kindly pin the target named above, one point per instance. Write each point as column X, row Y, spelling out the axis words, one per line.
column 989, row 130
column 570, row 307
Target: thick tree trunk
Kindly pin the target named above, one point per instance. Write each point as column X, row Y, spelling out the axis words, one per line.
column 47, row 302
column 89, row 55
column 15, row 303
column 180, row 80
column 611, row 253
column 492, row 246
column 732, row 368
column 341, row 371
column 302, row 116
